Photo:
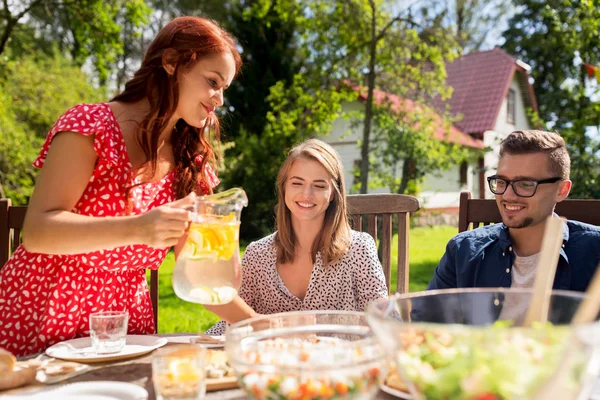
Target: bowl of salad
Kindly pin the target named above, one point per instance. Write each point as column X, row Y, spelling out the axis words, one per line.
column 306, row 355
column 470, row 344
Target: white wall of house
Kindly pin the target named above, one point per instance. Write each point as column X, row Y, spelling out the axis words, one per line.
column 442, row 189
column 344, row 138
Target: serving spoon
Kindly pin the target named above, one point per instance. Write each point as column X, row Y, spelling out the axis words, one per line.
column 545, row 272
column 587, row 312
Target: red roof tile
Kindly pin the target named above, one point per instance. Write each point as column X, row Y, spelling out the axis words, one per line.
column 480, row 82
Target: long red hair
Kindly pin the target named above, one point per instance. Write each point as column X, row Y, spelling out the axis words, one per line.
column 182, row 42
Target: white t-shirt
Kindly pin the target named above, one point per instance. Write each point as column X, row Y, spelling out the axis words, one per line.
column 523, row 276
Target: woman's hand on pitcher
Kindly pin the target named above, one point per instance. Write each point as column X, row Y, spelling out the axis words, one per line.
column 163, row 226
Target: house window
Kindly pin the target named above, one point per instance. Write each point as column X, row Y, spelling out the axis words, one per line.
column 510, row 106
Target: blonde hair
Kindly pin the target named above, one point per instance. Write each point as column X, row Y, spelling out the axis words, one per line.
column 335, row 238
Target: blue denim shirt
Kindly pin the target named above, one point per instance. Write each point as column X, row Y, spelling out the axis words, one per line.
column 484, row 257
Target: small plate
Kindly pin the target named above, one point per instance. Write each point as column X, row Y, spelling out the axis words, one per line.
column 136, row 345
column 101, row 389
column 53, row 371
column 395, row 392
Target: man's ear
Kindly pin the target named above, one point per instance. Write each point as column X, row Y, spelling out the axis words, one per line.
column 168, row 59
column 563, row 192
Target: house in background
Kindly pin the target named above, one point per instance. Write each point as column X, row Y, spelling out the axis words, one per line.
column 492, row 93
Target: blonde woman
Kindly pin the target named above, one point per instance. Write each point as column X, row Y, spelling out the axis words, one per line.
column 314, row 261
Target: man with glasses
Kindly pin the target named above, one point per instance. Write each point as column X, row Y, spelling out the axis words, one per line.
column 532, row 176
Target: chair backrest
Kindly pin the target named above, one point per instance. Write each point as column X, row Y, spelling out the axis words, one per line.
column 379, row 210
column 484, row 212
column 11, row 223
column 154, row 295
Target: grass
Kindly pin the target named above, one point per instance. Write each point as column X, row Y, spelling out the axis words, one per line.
column 427, row 246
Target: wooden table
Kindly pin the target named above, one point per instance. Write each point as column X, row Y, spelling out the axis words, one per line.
column 138, row 371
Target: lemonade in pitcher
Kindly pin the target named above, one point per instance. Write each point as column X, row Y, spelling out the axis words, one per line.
column 208, row 269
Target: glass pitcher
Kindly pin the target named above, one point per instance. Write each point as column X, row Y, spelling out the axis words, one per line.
column 208, row 269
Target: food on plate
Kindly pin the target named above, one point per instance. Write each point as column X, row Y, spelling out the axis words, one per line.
column 7, row 361
column 217, row 365
column 395, row 380
column 59, row 367
column 495, row 362
column 14, row 374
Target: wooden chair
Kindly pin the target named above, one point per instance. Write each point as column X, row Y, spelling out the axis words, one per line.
column 383, row 207
column 11, row 223
column 484, row 212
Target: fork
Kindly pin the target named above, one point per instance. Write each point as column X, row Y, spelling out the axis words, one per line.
column 73, row 350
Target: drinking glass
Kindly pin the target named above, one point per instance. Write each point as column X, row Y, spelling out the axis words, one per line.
column 179, row 374
column 108, row 330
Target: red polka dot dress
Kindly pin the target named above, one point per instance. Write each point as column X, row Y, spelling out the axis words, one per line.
column 46, row 298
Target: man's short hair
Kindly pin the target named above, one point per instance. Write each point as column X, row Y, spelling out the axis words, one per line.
column 528, row 142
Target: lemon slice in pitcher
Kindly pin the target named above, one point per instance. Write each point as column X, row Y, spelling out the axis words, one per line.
column 204, row 295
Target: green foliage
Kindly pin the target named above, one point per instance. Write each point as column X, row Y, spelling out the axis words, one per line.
column 34, row 92
column 408, row 140
column 42, row 88
column 18, row 148
column 86, row 29
column 555, row 38
column 471, row 21
column 348, row 41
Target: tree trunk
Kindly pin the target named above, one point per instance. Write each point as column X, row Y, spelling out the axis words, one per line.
column 405, row 176
column 10, row 25
column 364, row 151
column 460, row 22
column 11, row 22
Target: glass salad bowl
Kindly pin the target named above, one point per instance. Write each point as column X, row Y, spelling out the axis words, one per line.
column 306, row 355
column 471, row 344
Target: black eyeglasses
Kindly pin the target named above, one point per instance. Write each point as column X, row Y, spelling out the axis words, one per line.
column 521, row 187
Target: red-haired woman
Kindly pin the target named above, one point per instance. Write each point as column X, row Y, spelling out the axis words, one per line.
column 112, row 194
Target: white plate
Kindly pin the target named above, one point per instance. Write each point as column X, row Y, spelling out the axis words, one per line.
column 136, row 345
column 101, row 389
column 395, row 392
column 42, row 377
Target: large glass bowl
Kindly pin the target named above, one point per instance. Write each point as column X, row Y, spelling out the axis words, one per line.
column 470, row 344
column 306, row 355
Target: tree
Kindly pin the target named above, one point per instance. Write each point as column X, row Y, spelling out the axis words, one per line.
column 17, row 150
column 36, row 90
column 41, row 88
column 386, row 47
column 408, row 145
column 83, row 28
column 471, row 21
column 556, row 37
